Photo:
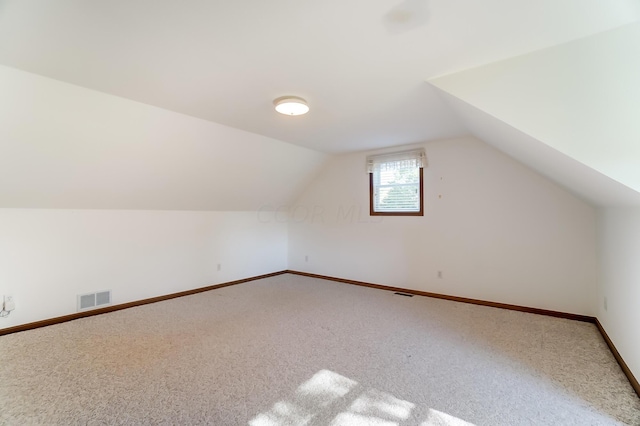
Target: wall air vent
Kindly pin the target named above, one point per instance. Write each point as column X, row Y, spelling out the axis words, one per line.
column 94, row 300
column 403, row 294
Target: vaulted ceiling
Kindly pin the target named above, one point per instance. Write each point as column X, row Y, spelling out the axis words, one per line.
column 543, row 80
column 571, row 111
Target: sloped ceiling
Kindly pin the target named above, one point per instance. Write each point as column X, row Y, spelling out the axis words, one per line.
column 571, row 111
column 576, row 177
column 361, row 64
column 158, row 104
column 63, row 146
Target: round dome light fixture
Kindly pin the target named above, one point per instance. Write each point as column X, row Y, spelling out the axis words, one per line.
column 291, row 105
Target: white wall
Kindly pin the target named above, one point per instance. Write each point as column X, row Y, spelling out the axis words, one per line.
column 47, row 257
column 500, row 232
column 177, row 194
column 619, row 280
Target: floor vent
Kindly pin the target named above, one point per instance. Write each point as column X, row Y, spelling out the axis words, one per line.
column 403, row 294
column 94, row 300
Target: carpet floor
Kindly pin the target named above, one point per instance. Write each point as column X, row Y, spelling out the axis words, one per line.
column 291, row 350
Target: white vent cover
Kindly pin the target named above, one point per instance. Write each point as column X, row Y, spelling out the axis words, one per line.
column 94, row 300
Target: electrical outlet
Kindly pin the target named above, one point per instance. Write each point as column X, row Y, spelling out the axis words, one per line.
column 306, row 258
column 9, row 304
column 439, row 274
column 605, row 304
column 219, row 266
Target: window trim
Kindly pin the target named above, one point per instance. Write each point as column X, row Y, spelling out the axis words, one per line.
column 418, row 213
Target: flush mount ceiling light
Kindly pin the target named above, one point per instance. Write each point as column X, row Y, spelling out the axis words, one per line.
column 291, row 105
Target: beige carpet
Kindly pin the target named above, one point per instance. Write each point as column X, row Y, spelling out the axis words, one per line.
column 292, row 350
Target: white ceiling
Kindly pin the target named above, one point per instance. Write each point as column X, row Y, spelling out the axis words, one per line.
column 64, row 146
column 569, row 111
column 580, row 179
column 361, row 64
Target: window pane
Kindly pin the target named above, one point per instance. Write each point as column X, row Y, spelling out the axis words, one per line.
column 398, row 198
column 404, row 175
column 397, row 189
column 396, row 184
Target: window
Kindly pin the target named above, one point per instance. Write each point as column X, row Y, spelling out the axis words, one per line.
column 395, row 184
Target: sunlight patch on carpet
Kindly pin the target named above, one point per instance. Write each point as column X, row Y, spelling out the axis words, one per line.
column 438, row 418
column 380, row 404
column 333, row 396
column 352, row 419
column 325, row 387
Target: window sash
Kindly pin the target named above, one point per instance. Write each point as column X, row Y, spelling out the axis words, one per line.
column 406, row 199
column 395, row 189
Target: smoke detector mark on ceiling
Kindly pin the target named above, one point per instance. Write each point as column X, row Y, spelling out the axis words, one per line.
column 406, row 16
